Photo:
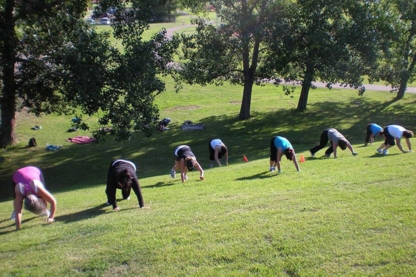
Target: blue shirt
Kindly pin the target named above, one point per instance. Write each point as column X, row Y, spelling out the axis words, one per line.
column 375, row 129
column 281, row 142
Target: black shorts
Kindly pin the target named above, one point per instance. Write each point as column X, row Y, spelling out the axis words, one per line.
column 389, row 139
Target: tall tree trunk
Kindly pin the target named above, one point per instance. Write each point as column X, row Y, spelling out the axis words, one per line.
column 306, row 85
column 246, row 103
column 8, row 99
column 405, row 78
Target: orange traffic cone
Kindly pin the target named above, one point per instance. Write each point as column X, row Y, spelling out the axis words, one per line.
column 245, row 159
column 302, row 158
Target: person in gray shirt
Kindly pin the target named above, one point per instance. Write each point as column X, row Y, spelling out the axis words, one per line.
column 336, row 139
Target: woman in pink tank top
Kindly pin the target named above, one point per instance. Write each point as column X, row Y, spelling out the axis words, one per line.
column 28, row 187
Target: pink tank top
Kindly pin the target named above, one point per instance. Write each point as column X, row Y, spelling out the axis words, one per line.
column 25, row 176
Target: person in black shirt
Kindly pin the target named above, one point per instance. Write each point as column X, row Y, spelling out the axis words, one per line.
column 122, row 175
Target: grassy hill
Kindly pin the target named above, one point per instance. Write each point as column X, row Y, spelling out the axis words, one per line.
column 351, row 216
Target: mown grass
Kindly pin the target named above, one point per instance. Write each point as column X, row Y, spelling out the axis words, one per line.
column 351, row 216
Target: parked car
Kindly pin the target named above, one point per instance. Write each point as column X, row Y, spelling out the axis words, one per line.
column 90, row 21
column 105, row 21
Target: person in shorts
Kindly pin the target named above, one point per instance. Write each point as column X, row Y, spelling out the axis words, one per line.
column 217, row 150
column 393, row 135
column 373, row 130
column 280, row 146
column 185, row 161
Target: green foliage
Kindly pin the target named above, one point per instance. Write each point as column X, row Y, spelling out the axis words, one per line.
column 63, row 64
column 350, row 216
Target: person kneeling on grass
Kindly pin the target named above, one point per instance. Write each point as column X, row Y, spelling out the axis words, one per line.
column 335, row 139
column 393, row 135
column 29, row 188
column 122, row 175
column 278, row 147
column 186, row 161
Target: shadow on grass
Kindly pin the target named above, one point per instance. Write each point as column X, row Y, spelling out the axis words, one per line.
column 77, row 166
column 12, row 224
column 84, row 214
column 262, row 175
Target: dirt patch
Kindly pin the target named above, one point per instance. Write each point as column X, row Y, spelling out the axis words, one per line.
column 183, row 108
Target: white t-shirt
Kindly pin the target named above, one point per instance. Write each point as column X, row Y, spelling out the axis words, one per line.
column 215, row 143
column 396, row 131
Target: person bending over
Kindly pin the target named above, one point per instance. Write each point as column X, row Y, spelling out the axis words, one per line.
column 278, row 147
column 28, row 185
column 217, row 149
column 336, row 139
column 373, row 130
column 122, row 175
column 393, row 135
column 185, row 161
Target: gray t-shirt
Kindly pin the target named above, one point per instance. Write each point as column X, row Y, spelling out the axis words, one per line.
column 335, row 136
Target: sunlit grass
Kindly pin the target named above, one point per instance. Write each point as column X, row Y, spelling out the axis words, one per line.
column 351, row 216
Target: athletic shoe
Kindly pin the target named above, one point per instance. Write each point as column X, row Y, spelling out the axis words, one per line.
column 172, row 173
column 186, row 177
column 13, row 216
column 385, row 152
column 354, row 153
column 312, row 154
column 107, row 204
column 272, row 169
column 327, row 155
column 379, row 151
column 128, row 198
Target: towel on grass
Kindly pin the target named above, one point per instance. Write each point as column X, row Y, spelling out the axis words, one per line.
column 81, row 139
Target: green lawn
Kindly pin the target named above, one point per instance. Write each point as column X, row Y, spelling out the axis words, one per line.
column 351, row 216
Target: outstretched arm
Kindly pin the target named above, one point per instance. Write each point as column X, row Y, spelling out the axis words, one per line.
column 295, row 161
column 48, row 197
column 409, row 145
column 138, row 191
column 201, row 171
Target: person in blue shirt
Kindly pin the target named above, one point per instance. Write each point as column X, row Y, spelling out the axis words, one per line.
column 280, row 146
column 373, row 130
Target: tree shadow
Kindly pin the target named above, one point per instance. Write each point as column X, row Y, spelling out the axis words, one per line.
column 78, row 166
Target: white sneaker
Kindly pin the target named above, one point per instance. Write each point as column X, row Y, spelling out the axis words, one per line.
column 172, row 173
column 186, row 177
column 385, row 152
column 13, row 216
column 379, row 151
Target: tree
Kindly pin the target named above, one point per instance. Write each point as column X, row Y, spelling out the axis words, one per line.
column 232, row 51
column 54, row 62
column 330, row 41
column 398, row 67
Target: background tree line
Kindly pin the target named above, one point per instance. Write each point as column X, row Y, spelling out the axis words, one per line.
column 52, row 62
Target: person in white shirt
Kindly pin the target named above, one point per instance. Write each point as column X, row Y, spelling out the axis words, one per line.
column 393, row 135
column 217, row 149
